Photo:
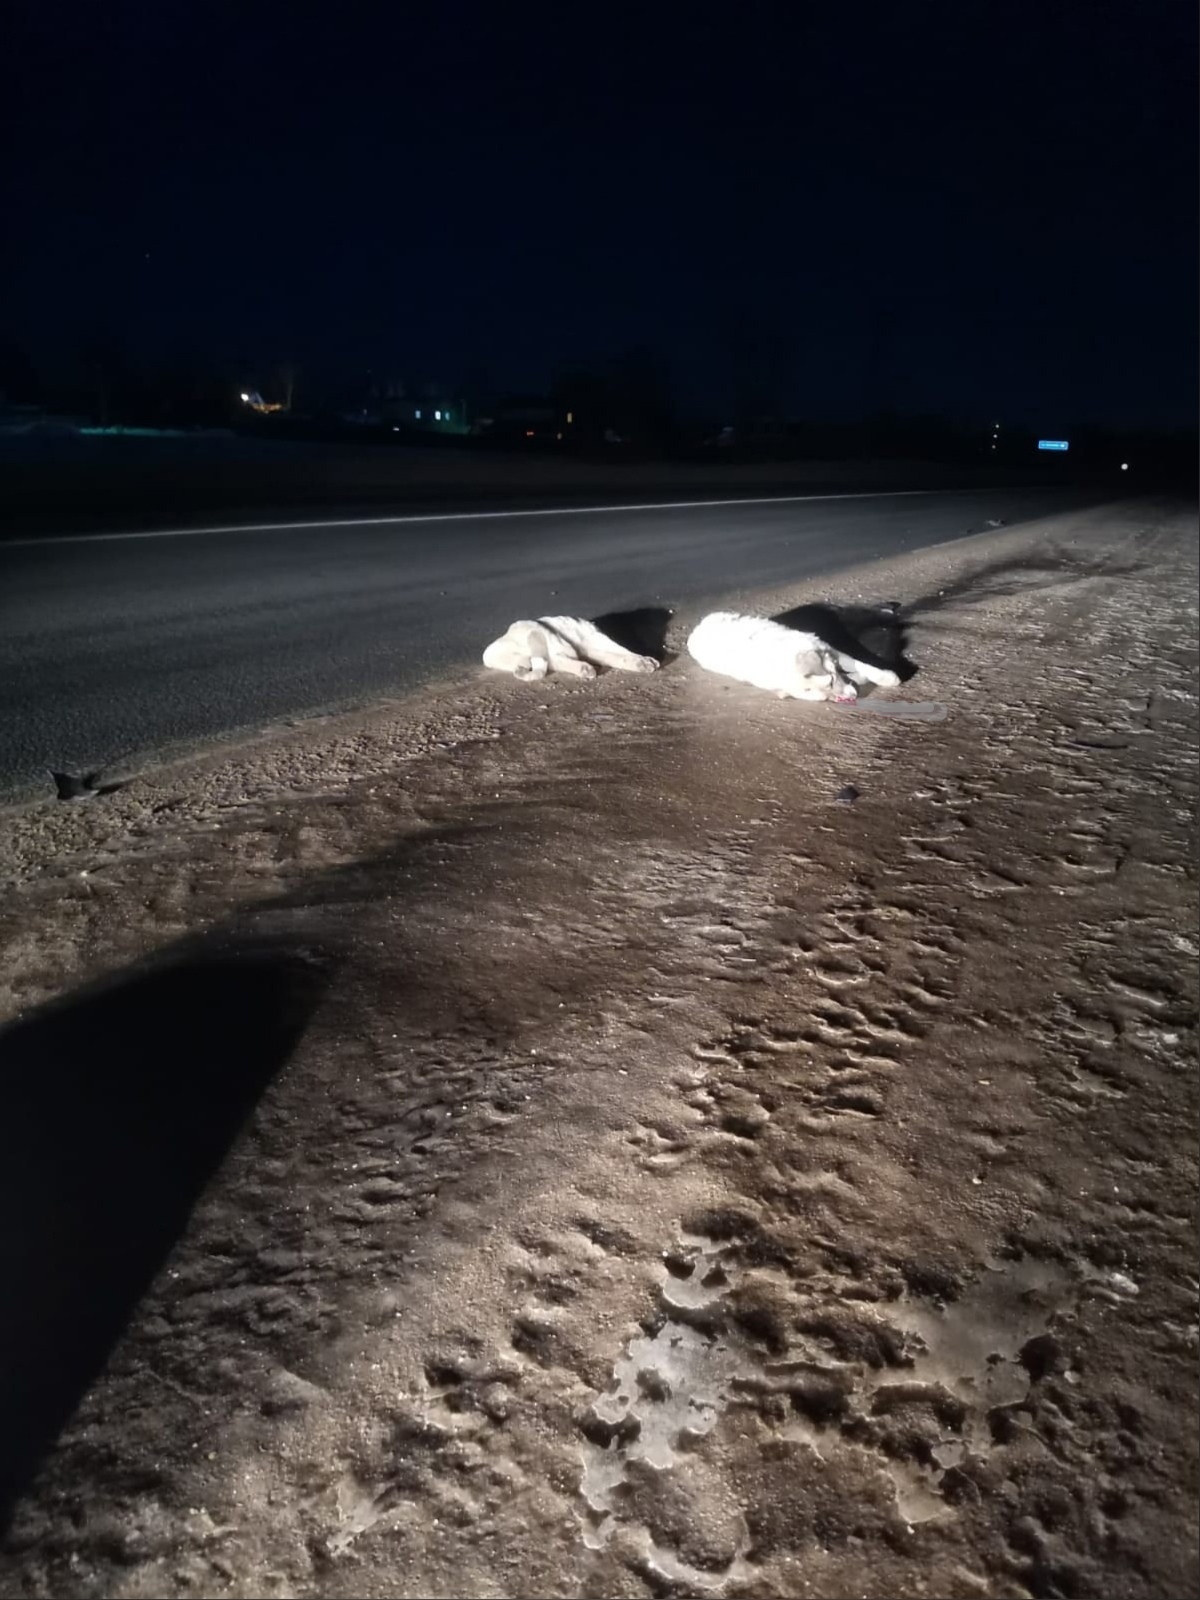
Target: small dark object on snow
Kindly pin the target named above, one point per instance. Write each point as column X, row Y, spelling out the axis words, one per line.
column 70, row 787
column 83, row 785
column 848, row 795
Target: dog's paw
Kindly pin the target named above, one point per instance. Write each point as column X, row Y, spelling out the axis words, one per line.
column 646, row 664
column 586, row 670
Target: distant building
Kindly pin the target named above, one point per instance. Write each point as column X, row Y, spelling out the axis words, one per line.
column 434, row 415
column 529, row 417
column 425, row 408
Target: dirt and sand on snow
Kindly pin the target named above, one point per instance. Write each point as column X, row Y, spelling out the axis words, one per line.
column 654, row 1175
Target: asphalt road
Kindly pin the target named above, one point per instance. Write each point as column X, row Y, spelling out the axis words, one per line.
column 118, row 648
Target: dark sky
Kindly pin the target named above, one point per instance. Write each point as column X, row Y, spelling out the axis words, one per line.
column 984, row 209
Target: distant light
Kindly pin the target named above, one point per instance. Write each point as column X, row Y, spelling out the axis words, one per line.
column 417, row 415
column 529, row 433
column 570, row 418
column 246, row 399
column 1054, row 444
column 437, row 416
column 1124, row 466
column 395, row 429
column 558, row 435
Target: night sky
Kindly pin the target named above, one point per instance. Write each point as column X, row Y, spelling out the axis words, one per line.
column 987, row 210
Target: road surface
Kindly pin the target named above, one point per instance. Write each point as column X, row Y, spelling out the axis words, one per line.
column 115, row 648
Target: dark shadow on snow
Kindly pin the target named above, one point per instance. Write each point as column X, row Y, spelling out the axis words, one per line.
column 643, row 630
column 1015, row 575
column 118, row 1104
column 880, row 634
column 874, row 634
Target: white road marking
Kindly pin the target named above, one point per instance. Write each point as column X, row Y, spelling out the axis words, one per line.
column 478, row 516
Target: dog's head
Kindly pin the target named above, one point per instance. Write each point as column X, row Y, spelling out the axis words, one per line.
column 814, row 676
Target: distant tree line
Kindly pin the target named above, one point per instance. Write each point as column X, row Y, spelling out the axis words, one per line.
column 627, row 402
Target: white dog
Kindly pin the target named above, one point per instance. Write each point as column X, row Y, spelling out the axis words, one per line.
column 561, row 644
column 797, row 666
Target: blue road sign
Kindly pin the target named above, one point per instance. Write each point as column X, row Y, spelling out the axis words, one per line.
column 1054, row 444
